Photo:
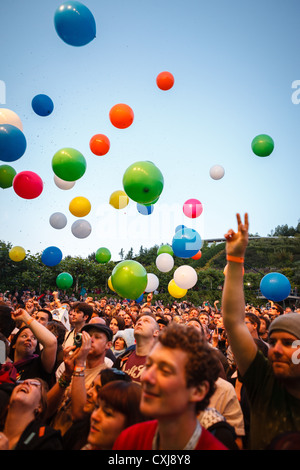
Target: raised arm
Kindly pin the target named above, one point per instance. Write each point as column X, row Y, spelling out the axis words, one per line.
column 233, row 302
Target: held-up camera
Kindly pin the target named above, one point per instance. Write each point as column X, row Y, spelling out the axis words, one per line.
column 78, row 340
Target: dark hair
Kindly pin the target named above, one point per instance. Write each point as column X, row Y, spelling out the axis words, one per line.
column 7, row 324
column 45, row 311
column 110, row 374
column 201, row 364
column 120, row 320
column 85, row 308
column 14, row 340
column 125, row 398
column 254, row 319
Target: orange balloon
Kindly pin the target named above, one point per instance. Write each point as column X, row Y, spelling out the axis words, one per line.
column 121, row 116
column 99, row 144
column 197, row 255
column 165, row 80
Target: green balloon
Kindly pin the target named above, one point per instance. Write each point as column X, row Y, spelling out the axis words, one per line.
column 103, row 255
column 143, row 182
column 64, row 280
column 129, row 279
column 68, row 164
column 262, row 145
column 7, row 174
column 165, row 249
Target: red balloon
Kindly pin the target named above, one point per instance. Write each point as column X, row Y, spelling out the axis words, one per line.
column 165, row 80
column 197, row 255
column 28, row 184
column 99, row 144
column 121, row 116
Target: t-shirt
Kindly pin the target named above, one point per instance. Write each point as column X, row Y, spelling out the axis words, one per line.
column 140, row 437
column 273, row 410
column 134, row 366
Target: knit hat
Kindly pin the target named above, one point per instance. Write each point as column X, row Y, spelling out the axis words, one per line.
column 288, row 322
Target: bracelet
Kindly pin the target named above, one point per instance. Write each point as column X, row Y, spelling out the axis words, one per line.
column 63, row 382
column 79, row 368
column 78, row 374
column 29, row 321
column 235, row 259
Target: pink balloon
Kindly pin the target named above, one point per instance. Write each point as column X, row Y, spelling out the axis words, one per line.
column 27, row 184
column 192, row 208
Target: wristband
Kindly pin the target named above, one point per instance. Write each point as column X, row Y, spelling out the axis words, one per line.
column 29, row 321
column 235, row 259
column 79, row 368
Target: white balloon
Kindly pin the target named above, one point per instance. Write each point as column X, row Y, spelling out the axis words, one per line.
column 185, row 277
column 164, row 262
column 81, row 228
column 62, row 184
column 58, row 220
column 153, row 283
column 217, row 172
column 10, row 117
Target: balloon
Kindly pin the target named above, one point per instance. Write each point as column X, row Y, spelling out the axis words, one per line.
column 143, row 182
column 140, row 299
column 176, row 291
column 121, row 116
column 12, row 143
column 7, row 174
column 216, row 172
column 110, row 284
column 81, row 228
column 17, row 253
column 103, row 255
column 80, row 206
column 185, row 277
column 145, row 210
column 64, row 280
column 51, row 256
column 28, row 184
column 119, row 199
column 58, row 220
column 197, row 255
column 100, row 144
column 179, row 227
column 275, row 287
column 69, row 164
column 165, row 80
column 42, row 105
column 164, row 262
column 10, row 117
column 129, row 279
column 186, row 243
column 192, row 208
column 165, row 249
column 152, row 282
column 262, row 145
column 75, row 24
column 61, row 184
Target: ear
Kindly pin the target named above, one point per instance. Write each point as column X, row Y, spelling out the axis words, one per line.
column 199, row 392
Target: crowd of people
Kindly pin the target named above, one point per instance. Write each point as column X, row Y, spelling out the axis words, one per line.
column 113, row 374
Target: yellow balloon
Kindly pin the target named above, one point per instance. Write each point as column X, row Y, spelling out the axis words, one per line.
column 80, row 206
column 110, row 284
column 17, row 253
column 119, row 199
column 176, row 291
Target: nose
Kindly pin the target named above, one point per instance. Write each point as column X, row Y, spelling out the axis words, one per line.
column 149, row 375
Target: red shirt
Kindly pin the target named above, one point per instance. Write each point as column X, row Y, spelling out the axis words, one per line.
column 140, row 437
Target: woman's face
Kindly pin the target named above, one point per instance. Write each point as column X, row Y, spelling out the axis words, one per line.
column 106, row 425
column 119, row 344
column 114, row 326
column 28, row 393
column 26, row 343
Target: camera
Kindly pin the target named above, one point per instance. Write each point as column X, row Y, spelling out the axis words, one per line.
column 78, row 340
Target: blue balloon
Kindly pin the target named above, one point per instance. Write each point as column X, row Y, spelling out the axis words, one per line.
column 140, row 299
column 275, row 287
column 51, row 256
column 186, row 243
column 42, row 105
column 179, row 227
column 75, row 24
column 12, row 143
column 144, row 210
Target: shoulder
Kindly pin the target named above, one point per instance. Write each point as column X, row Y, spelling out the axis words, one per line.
column 137, row 437
column 38, row 436
column 209, row 442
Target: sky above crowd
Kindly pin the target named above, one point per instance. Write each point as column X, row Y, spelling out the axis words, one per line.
column 237, row 75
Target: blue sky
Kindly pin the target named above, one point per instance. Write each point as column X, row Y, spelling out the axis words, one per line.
column 234, row 64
